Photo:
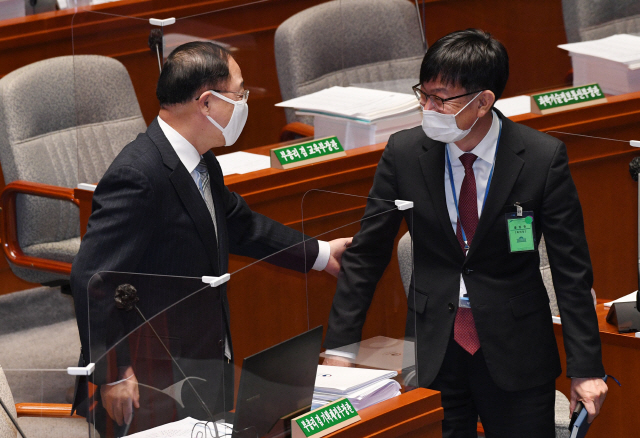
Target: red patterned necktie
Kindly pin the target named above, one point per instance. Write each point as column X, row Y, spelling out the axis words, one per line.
column 464, row 330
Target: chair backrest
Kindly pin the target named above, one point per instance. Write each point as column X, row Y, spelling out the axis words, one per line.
column 405, row 262
column 345, row 42
column 586, row 20
column 63, row 121
column 7, row 429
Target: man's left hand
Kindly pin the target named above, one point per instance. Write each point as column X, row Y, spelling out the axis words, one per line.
column 591, row 392
column 338, row 246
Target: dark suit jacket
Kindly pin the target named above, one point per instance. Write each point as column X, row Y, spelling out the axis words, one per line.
column 149, row 217
column 508, row 298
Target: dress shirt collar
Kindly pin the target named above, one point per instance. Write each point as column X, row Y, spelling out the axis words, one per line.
column 187, row 153
column 485, row 150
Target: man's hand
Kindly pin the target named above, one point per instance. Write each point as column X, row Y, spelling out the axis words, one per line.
column 591, row 392
column 337, row 361
column 120, row 399
column 338, row 246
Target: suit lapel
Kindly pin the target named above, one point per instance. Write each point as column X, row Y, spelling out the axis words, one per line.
column 507, row 168
column 188, row 193
column 432, row 163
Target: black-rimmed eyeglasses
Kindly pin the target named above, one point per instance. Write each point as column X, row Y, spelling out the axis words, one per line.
column 436, row 101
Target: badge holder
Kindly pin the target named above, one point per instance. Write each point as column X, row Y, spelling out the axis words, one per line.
column 521, row 231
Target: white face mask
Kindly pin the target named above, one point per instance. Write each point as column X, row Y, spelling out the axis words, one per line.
column 443, row 127
column 232, row 131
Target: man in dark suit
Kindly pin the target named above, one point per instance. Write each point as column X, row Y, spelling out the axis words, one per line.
column 162, row 208
column 483, row 328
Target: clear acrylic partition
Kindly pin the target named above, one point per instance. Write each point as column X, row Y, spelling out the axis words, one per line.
column 385, row 340
column 111, row 104
column 116, row 68
column 161, row 343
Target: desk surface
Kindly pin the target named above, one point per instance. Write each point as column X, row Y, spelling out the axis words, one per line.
column 621, row 356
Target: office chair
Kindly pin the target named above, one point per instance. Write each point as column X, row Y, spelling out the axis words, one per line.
column 62, row 122
column 347, row 42
column 38, row 419
column 586, row 20
column 405, row 261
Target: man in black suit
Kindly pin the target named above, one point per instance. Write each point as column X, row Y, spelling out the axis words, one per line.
column 162, row 206
column 483, row 328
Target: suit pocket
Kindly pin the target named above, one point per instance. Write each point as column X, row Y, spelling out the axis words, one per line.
column 417, row 301
column 529, row 302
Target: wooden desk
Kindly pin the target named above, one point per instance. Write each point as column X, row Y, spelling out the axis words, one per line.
column 417, row 413
column 621, row 356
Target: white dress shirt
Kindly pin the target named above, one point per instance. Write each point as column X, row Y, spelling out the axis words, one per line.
column 486, row 152
column 190, row 158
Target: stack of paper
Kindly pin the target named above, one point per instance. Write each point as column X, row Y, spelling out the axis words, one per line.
column 11, row 9
column 242, row 162
column 363, row 387
column 358, row 116
column 612, row 62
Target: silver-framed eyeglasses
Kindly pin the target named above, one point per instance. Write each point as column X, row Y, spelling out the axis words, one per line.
column 241, row 96
column 437, row 101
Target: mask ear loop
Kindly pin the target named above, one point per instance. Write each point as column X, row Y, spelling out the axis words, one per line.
column 474, row 98
column 226, row 99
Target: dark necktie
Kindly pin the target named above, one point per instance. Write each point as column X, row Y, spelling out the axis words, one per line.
column 464, row 329
column 205, row 191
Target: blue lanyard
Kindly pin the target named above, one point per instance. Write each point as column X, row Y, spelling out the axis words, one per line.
column 486, row 192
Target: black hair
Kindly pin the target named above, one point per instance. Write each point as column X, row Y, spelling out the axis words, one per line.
column 471, row 59
column 190, row 68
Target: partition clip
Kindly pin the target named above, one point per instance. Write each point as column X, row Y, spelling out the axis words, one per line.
column 161, row 23
column 81, row 371
column 403, row 205
column 216, row 281
column 635, row 143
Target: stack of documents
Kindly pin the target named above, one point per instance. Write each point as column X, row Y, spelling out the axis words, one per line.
column 358, row 116
column 363, row 387
column 612, row 62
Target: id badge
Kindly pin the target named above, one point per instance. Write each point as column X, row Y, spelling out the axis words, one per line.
column 521, row 232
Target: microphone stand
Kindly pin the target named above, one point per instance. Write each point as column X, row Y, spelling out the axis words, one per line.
column 13, row 420
column 634, row 169
column 126, row 297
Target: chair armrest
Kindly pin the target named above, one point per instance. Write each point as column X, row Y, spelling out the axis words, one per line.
column 50, row 410
column 9, row 229
column 290, row 131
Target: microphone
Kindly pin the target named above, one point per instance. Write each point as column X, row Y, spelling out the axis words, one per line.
column 155, row 42
column 634, row 169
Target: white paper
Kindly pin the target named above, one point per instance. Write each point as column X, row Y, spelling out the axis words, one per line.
column 514, row 106
column 184, row 428
column 625, row 299
column 343, row 380
column 619, row 48
column 353, row 102
column 242, row 162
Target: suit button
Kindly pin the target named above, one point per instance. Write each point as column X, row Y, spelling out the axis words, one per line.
column 221, row 343
column 451, row 307
column 467, row 271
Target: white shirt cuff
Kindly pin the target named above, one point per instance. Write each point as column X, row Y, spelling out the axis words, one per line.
column 324, row 252
column 345, row 354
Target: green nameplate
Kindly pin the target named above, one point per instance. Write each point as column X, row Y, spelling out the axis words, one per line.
column 521, row 236
column 567, row 98
column 324, row 420
column 306, row 153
